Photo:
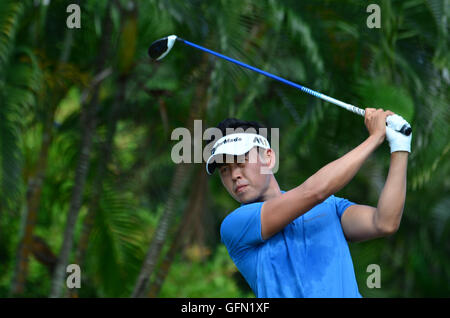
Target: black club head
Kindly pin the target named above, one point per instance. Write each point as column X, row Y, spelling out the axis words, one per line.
column 161, row 47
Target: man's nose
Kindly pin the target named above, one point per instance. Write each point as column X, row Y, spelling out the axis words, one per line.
column 236, row 172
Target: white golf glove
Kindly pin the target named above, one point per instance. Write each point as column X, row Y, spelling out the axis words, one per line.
column 397, row 140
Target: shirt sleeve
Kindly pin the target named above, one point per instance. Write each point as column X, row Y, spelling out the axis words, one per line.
column 342, row 205
column 241, row 229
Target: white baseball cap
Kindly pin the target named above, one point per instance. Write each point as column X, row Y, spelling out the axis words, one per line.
column 234, row 144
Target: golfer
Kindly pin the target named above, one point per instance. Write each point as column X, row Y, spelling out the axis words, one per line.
column 294, row 243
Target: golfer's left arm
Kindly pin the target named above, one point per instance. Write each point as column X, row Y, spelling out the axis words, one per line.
column 362, row 222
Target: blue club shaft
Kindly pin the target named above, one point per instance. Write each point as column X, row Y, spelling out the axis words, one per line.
column 406, row 129
column 349, row 107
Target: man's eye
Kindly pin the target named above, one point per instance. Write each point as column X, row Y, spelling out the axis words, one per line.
column 223, row 169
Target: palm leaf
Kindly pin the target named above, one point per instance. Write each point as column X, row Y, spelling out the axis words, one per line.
column 379, row 94
column 116, row 246
column 17, row 97
column 10, row 13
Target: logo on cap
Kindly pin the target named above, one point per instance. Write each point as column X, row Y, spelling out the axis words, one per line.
column 224, row 142
column 260, row 141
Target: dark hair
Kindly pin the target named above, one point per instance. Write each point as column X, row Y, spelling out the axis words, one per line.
column 238, row 123
column 235, row 123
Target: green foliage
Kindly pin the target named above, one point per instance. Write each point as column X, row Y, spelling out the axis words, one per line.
column 20, row 79
column 212, row 278
column 117, row 244
column 10, row 14
column 375, row 94
column 48, row 73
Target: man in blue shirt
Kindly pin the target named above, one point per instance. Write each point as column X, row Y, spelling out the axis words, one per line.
column 294, row 243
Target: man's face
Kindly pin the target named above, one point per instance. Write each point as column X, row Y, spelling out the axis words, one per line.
column 244, row 179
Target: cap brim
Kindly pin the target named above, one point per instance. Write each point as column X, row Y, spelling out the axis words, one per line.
column 212, row 165
column 234, row 145
column 210, row 168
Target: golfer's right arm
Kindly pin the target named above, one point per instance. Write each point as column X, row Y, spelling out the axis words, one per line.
column 278, row 212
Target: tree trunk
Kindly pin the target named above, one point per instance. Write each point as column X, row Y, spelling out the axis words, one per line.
column 106, row 150
column 178, row 182
column 88, row 121
column 31, row 210
column 193, row 211
column 35, row 182
column 75, row 203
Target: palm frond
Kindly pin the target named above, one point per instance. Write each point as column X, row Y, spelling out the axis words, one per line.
column 116, row 248
column 441, row 218
column 302, row 34
column 379, row 94
column 17, row 97
column 11, row 158
column 10, row 14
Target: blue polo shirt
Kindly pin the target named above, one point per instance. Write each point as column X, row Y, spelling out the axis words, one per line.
column 308, row 258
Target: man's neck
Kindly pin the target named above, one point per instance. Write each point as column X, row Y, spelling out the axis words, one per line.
column 273, row 190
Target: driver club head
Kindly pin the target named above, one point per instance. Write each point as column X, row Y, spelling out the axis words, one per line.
column 161, row 47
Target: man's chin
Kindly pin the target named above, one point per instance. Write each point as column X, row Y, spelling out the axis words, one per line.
column 247, row 200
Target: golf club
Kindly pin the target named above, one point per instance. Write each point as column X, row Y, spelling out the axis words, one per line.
column 160, row 48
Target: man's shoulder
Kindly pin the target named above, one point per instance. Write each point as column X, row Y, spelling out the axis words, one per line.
column 333, row 200
column 243, row 210
column 246, row 209
column 335, row 204
column 239, row 216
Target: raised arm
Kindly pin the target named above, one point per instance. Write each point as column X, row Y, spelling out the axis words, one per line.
column 278, row 212
column 362, row 222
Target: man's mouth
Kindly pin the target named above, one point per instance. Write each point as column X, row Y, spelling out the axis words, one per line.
column 240, row 188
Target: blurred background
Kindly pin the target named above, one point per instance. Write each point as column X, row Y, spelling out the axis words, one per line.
column 86, row 118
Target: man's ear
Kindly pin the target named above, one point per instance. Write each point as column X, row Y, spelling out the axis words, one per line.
column 268, row 159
